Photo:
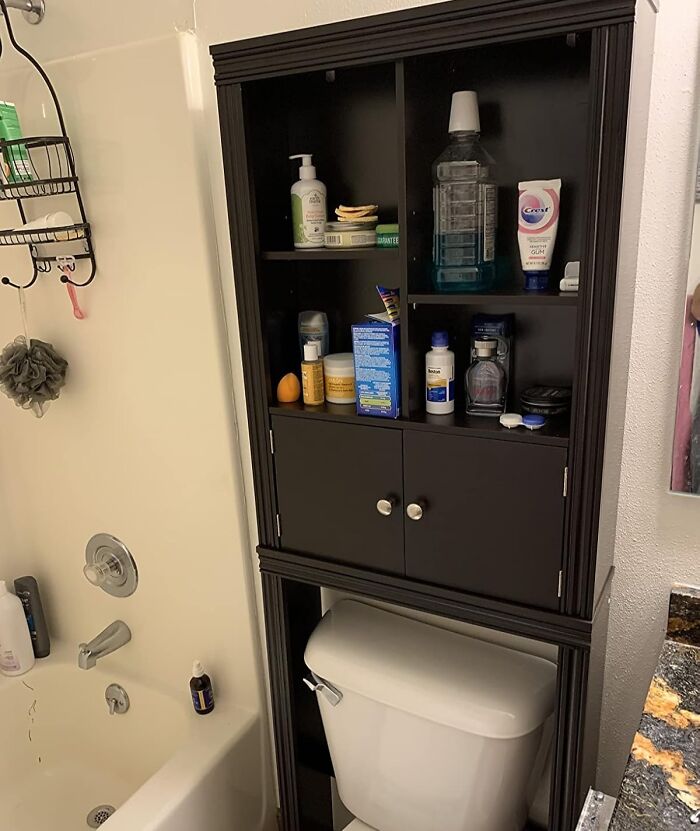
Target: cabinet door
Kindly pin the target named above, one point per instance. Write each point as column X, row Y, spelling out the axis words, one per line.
column 330, row 478
column 492, row 516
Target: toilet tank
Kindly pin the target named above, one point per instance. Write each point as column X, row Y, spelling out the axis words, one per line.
column 433, row 729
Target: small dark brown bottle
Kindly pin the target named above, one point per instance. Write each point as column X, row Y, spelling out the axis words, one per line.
column 202, row 693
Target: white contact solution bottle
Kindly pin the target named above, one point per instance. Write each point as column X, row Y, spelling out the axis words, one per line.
column 440, row 376
column 308, row 206
column 16, row 651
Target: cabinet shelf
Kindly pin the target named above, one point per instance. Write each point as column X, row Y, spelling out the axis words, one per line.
column 506, row 297
column 553, row 435
column 333, row 254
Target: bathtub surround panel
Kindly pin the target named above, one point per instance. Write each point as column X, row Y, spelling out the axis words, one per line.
column 140, row 441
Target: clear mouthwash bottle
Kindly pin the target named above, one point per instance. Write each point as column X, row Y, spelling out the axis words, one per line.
column 464, row 204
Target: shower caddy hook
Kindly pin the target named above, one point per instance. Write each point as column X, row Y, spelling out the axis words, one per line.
column 50, row 170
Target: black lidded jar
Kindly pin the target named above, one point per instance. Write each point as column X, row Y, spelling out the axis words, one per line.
column 546, row 401
column 202, row 693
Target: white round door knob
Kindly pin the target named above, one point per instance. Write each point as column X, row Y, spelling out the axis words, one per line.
column 414, row 511
column 385, row 506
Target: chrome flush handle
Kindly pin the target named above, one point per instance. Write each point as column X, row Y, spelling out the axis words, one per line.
column 327, row 690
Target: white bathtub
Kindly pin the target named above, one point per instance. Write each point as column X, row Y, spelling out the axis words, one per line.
column 160, row 765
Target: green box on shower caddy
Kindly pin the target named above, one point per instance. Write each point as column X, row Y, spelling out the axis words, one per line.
column 17, row 167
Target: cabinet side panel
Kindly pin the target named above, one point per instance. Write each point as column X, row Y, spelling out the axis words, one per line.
column 239, row 194
column 635, row 158
column 610, row 68
column 565, row 804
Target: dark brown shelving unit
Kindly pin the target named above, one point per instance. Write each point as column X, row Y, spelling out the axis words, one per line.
column 508, row 535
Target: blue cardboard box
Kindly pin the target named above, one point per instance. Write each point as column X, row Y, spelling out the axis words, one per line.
column 375, row 349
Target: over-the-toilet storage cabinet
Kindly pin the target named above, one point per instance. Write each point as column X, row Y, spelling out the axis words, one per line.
column 507, row 533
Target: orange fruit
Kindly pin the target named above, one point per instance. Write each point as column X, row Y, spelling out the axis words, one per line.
column 288, row 389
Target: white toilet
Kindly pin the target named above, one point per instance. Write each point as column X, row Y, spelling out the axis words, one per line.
column 427, row 729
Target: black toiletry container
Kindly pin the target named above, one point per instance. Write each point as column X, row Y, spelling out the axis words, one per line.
column 546, row 401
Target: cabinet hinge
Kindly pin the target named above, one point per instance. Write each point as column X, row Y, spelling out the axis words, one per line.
column 272, row 443
column 566, row 481
column 279, row 526
column 561, row 583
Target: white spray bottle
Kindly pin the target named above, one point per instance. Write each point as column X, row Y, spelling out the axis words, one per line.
column 16, row 651
column 308, row 206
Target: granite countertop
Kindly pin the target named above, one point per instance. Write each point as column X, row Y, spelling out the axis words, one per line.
column 661, row 787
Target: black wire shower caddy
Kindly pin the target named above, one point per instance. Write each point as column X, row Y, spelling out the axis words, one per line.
column 47, row 168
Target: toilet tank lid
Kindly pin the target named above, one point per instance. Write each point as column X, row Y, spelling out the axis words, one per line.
column 445, row 677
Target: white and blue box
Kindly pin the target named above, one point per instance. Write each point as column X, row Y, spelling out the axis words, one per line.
column 375, row 349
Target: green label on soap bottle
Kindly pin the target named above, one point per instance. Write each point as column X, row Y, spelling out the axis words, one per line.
column 298, row 219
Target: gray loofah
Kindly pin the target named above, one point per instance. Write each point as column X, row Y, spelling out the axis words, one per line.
column 32, row 376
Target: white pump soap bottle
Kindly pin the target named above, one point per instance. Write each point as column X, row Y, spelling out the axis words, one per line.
column 16, row 651
column 308, row 206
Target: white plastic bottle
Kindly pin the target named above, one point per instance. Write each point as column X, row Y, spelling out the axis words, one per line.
column 440, row 376
column 308, row 206
column 16, row 651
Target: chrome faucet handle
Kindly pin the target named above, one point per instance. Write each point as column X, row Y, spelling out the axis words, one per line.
column 110, row 566
column 99, row 572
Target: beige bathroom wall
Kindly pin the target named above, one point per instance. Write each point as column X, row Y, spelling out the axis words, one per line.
column 656, row 538
column 142, row 442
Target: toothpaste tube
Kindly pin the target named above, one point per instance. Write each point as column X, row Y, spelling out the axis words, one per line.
column 538, row 219
column 390, row 299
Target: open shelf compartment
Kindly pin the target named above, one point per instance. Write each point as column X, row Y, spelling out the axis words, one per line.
column 374, row 132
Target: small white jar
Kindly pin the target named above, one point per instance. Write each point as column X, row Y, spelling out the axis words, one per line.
column 339, row 372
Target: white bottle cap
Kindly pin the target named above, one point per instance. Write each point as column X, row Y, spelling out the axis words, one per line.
column 464, row 114
column 197, row 669
column 307, row 170
column 3, row 588
column 484, row 348
column 572, row 269
column 311, row 350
